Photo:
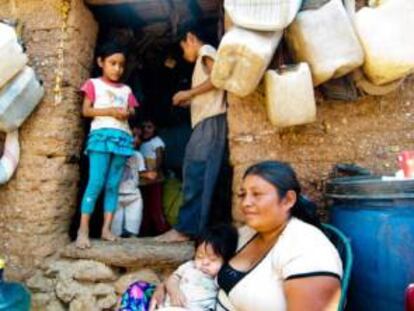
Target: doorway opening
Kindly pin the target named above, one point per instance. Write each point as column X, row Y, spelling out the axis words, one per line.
column 155, row 71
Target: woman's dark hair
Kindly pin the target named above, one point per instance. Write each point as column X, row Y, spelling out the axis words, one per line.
column 282, row 176
column 223, row 239
column 109, row 48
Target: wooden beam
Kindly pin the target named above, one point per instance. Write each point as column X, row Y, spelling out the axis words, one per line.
column 114, row 2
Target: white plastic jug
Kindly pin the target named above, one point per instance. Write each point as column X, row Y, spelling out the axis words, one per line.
column 386, row 34
column 326, row 40
column 12, row 58
column 242, row 59
column 264, row 15
column 290, row 99
column 18, row 98
column 10, row 158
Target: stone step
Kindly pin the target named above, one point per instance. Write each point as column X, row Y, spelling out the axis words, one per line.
column 133, row 253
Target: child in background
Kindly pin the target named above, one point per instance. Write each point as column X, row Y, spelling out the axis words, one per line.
column 152, row 147
column 192, row 286
column 152, row 150
column 110, row 141
column 128, row 216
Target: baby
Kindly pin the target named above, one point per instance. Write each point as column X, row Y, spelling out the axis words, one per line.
column 192, row 286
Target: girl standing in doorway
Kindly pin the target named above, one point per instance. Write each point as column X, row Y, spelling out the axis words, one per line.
column 109, row 103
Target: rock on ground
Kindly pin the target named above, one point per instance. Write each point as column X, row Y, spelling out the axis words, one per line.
column 133, row 252
column 93, row 271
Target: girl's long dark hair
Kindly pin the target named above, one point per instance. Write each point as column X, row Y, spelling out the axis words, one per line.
column 282, row 176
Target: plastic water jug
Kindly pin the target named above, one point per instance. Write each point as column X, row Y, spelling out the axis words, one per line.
column 18, row 99
column 386, row 34
column 13, row 296
column 290, row 98
column 10, row 158
column 264, row 15
column 326, row 40
column 242, row 59
column 12, row 58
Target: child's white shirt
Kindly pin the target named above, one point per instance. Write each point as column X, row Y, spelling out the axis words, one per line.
column 149, row 148
column 199, row 289
column 130, row 179
column 105, row 95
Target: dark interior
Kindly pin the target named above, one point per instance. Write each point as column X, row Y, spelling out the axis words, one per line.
column 155, row 71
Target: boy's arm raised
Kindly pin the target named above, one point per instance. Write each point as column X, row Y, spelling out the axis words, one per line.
column 182, row 98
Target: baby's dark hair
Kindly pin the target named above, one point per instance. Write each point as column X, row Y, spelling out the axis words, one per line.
column 223, row 239
column 110, row 48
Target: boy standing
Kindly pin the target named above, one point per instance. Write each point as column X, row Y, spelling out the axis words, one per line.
column 205, row 149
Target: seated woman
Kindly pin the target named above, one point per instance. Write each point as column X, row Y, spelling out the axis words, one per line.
column 284, row 262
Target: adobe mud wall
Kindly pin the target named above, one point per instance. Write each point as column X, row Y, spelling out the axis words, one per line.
column 36, row 206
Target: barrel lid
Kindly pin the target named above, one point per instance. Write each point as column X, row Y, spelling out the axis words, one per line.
column 369, row 187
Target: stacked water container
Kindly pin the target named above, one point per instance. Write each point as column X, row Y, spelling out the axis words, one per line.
column 20, row 93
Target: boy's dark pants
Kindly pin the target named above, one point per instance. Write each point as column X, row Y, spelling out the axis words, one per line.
column 202, row 161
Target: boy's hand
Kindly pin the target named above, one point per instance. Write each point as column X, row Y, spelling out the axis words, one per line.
column 182, row 98
column 151, row 175
column 157, row 298
column 177, row 298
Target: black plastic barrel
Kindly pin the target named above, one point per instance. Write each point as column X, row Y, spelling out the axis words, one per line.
column 378, row 217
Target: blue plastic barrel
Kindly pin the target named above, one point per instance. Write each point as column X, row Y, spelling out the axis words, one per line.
column 378, row 217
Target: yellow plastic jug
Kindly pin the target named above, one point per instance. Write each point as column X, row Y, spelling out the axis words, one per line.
column 242, row 59
column 386, row 34
column 290, row 98
column 326, row 40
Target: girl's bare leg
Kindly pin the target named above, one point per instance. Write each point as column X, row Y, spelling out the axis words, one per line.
column 82, row 240
column 107, row 235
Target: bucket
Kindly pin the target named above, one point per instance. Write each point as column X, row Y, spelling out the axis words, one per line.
column 378, row 217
